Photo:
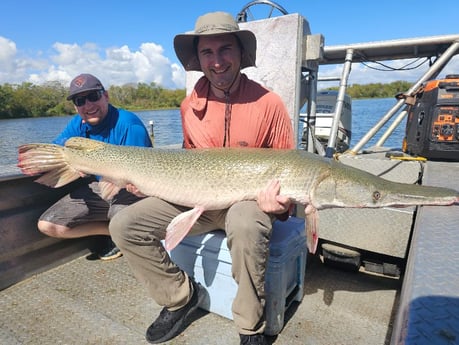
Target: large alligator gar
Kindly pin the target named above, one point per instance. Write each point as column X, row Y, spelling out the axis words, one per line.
column 212, row 179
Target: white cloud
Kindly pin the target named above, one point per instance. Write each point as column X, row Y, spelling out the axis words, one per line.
column 7, row 54
column 122, row 65
column 178, row 74
column 14, row 68
column 114, row 66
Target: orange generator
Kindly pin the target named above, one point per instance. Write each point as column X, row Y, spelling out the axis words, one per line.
column 432, row 128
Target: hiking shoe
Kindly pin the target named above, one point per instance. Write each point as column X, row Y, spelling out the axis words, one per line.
column 254, row 339
column 170, row 323
column 109, row 253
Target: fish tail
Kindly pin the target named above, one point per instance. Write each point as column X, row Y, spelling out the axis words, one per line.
column 49, row 160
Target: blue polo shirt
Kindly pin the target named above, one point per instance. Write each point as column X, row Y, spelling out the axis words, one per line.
column 119, row 127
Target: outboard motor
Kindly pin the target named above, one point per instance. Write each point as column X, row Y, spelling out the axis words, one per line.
column 325, row 111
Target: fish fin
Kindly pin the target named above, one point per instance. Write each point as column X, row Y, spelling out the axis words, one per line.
column 312, row 235
column 108, row 189
column 180, row 226
column 58, row 177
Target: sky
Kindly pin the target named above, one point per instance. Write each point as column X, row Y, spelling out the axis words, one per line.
column 132, row 41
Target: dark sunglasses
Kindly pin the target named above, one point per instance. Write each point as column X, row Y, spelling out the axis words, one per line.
column 91, row 97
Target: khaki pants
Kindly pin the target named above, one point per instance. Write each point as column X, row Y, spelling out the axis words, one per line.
column 138, row 229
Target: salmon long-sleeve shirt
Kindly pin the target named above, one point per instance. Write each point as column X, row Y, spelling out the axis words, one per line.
column 255, row 117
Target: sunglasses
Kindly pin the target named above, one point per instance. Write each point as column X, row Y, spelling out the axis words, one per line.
column 91, row 97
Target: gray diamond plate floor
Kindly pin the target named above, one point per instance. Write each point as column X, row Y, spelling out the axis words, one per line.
column 430, row 298
column 94, row 302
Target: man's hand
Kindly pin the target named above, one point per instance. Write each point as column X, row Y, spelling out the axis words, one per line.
column 270, row 201
column 134, row 190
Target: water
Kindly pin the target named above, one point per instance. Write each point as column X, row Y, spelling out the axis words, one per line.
column 167, row 129
column 366, row 113
column 15, row 132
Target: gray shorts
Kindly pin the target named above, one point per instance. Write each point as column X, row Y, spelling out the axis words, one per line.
column 85, row 204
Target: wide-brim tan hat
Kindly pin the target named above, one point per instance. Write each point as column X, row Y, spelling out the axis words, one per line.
column 212, row 24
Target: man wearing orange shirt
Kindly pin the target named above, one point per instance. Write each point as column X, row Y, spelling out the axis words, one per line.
column 225, row 109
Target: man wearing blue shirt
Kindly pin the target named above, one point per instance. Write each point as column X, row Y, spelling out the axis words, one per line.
column 83, row 212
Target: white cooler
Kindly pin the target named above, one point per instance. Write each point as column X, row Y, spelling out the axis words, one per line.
column 206, row 258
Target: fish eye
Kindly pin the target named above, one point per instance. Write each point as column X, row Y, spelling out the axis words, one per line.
column 376, row 195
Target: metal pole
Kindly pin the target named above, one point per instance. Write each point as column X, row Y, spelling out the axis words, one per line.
column 311, row 111
column 331, row 147
column 391, row 128
column 152, row 132
column 432, row 72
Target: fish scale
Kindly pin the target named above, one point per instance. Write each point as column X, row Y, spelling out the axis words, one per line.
column 212, row 179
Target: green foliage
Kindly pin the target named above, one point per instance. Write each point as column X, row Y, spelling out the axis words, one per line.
column 29, row 100
column 144, row 96
column 376, row 90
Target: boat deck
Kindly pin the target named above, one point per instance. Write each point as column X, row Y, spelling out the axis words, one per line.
column 95, row 302
column 429, row 306
column 80, row 301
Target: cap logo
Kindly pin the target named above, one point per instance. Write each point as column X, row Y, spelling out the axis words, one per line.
column 79, row 82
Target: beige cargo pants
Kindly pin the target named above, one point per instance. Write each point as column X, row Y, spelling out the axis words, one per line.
column 139, row 228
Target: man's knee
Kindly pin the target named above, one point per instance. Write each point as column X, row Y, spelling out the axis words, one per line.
column 246, row 214
column 44, row 227
column 246, row 223
column 51, row 229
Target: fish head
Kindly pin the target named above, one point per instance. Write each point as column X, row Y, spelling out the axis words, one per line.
column 345, row 186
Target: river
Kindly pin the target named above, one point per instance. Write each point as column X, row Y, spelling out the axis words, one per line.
column 167, row 129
